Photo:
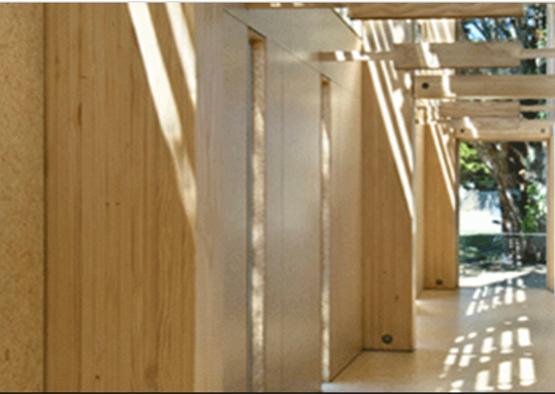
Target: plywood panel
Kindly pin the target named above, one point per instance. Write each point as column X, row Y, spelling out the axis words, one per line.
column 386, row 229
column 222, row 295
column 440, row 212
column 293, row 271
column 275, row 269
column 21, row 197
column 301, row 228
column 293, row 224
column 120, row 202
column 346, row 260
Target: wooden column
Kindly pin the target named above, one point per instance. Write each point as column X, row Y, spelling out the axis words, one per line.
column 440, row 210
column 386, row 233
column 120, row 190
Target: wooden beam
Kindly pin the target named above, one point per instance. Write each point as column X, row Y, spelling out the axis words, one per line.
column 537, row 108
column 491, row 109
column 433, row 10
column 446, row 55
column 457, row 55
column 460, row 109
column 501, row 129
column 485, row 86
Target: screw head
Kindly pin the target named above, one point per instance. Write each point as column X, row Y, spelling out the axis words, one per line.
column 387, row 339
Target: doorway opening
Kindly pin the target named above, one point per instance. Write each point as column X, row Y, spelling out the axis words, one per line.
column 502, row 213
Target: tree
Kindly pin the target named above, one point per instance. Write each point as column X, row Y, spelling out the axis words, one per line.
column 512, row 166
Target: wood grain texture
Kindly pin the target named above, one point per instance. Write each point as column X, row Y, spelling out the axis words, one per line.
column 22, row 197
column 473, row 109
column 445, row 55
column 386, row 235
column 457, row 55
column 485, row 86
column 120, row 244
column 293, row 224
column 440, row 210
column 433, row 10
column 345, row 226
column 502, row 129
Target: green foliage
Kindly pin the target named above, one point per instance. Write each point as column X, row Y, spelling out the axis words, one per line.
column 535, row 208
column 492, row 248
column 528, row 189
column 475, row 174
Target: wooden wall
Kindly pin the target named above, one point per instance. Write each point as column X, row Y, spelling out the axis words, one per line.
column 221, row 145
column 21, row 197
column 123, row 196
column 292, row 320
column 387, row 205
column 120, row 240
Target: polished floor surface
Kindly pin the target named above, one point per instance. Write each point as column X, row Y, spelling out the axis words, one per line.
column 493, row 338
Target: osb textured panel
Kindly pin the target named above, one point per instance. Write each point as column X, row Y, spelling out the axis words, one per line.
column 21, row 197
column 120, row 240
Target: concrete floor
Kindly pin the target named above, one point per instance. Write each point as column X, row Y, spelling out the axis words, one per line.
column 492, row 338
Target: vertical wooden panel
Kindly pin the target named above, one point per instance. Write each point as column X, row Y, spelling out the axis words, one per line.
column 440, row 211
column 346, row 226
column 120, row 246
column 276, row 58
column 386, row 229
column 21, row 197
column 222, row 296
column 301, row 229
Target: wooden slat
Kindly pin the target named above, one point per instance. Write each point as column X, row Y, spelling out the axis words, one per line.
column 537, row 108
column 435, row 10
column 446, row 55
column 496, row 129
column 481, row 109
column 457, row 55
column 457, row 109
column 485, row 86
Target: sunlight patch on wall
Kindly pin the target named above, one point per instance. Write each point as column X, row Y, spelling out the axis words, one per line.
column 185, row 47
column 382, row 96
column 165, row 104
